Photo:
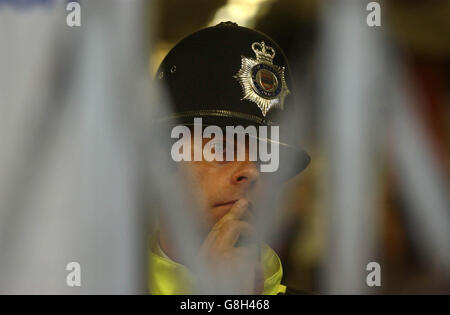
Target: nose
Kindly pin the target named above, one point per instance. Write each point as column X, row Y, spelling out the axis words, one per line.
column 246, row 173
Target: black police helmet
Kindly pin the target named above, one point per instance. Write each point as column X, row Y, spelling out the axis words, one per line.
column 230, row 75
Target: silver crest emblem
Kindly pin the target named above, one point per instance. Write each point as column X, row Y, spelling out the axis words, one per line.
column 262, row 82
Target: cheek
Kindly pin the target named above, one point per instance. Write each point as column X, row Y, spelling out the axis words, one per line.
column 204, row 179
column 209, row 178
column 208, row 183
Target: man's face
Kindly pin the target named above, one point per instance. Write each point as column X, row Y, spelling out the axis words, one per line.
column 217, row 185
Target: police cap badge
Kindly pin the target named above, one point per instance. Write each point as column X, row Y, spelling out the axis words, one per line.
column 262, row 81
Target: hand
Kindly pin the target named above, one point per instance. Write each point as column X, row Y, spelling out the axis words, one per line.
column 230, row 267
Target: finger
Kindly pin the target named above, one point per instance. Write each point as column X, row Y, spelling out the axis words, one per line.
column 231, row 231
column 235, row 213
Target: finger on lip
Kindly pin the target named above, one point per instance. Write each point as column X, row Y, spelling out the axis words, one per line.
column 241, row 203
column 240, row 209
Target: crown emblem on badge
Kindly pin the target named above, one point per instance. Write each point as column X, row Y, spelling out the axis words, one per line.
column 262, row 82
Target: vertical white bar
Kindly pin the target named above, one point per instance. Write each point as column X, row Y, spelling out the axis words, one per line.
column 349, row 64
column 73, row 192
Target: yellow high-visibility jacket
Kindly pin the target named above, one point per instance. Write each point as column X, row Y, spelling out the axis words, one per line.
column 167, row 277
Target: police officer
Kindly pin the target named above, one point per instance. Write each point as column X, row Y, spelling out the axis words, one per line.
column 226, row 75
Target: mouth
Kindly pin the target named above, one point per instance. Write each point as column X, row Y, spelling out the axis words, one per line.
column 226, row 206
column 219, row 210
